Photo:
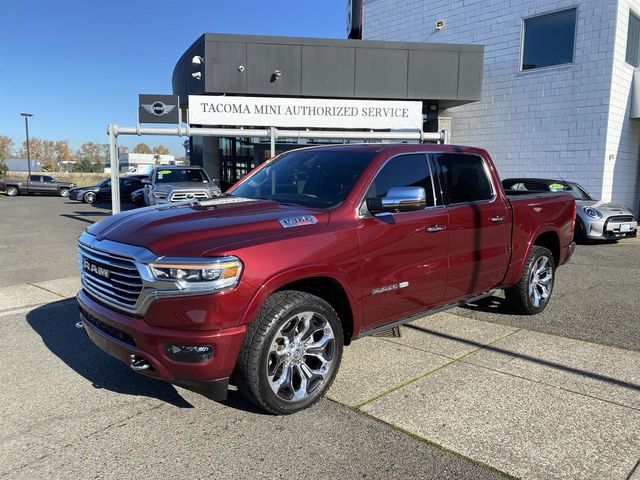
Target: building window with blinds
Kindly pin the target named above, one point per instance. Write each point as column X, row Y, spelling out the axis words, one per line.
column 633, row 40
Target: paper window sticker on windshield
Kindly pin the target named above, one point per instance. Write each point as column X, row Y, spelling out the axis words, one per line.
column 556, row 187
column 164, row 172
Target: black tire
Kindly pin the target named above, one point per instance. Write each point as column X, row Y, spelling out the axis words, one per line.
column 580, row 233
column 12, row 191
column 521, row 296
column 89, row 197
column 257, row 356
column 64, row 192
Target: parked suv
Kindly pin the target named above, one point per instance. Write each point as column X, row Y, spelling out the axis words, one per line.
column 309, row 252
column 173, row 183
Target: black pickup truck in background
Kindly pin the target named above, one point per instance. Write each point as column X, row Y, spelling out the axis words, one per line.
column 43, row 184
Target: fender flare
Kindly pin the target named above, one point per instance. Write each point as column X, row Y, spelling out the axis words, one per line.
column 282, row 278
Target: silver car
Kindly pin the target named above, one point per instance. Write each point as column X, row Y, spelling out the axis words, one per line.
column 595, row 219
column 172, row 183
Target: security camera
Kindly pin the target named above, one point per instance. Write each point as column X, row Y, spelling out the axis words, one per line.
column 439, row 24
column 197, row 61
column 241, row 68
column 197, row 75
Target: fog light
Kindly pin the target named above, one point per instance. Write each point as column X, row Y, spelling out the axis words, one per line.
column 189, row 353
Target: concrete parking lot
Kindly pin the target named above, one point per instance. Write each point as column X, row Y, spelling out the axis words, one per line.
column 473, row 393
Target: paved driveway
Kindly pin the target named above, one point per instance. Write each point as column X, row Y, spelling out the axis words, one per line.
column 473, row 393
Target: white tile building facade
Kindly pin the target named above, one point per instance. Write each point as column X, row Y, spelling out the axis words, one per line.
column 570, row 121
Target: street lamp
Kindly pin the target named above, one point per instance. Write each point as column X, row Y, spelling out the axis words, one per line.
column 26, row 126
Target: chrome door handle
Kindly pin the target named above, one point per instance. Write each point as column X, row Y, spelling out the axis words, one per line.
column 436, row 228
column 497, row 219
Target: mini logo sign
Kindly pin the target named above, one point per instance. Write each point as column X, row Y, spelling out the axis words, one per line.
column 158, row 108
column 92, row 268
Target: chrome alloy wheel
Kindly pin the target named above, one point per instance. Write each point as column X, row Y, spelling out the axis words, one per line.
column 300, row 356
column 540, row 281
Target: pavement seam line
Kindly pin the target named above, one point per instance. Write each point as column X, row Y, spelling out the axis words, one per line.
column 633, row 470
column 539, row 382
column 81, row 438
column 28, row 308
column 425, row 440
column 46, row 290
column 426, row 374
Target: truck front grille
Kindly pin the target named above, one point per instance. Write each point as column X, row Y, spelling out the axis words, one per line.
column 179, row 195
column 109, row 277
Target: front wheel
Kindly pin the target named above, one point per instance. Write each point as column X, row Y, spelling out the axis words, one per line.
column 64, row 192
column 89, row 197
column 531, row 294
column 291, row 353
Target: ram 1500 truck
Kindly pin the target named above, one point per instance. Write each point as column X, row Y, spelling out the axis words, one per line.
column 310, row 251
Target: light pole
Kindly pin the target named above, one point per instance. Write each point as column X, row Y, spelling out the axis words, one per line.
column 26, row 126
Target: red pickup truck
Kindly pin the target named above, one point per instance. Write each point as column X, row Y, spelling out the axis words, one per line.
column 310, row 251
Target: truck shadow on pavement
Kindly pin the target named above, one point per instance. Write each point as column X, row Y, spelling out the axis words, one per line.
column 55, row 323
column 539, row 361
column 492, row 304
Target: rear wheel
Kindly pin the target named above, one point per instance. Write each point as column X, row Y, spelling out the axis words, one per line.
column 12, row 191
column 89, row 197
column 531, row 294
column 291, row 353
column 580, row 232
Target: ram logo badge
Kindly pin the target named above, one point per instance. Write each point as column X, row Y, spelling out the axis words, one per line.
column 389, row 288
column 298, row 221
column 91, row 268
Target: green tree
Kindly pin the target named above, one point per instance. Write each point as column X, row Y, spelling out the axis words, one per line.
column 6, row 147
column 161, row 150
column 3, row 168
column 142, row 148
column 90, row 157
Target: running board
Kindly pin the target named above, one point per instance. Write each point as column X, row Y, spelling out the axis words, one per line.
column 397, row 324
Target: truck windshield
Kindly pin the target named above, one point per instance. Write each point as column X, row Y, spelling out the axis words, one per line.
column 313, row 178
column 177, row 175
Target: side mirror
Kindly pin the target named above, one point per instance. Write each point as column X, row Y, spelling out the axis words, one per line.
column 399, row 199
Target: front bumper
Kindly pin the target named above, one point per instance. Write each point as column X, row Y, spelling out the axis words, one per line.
column 610, row 229
column 131, row 339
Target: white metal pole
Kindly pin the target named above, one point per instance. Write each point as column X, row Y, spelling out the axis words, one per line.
column 115, row 170
column 273, row 142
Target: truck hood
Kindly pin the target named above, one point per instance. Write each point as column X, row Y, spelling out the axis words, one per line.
column 607, row 208
column 208, row 229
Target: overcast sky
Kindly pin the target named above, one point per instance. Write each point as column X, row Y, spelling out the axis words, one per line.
column 80, row 64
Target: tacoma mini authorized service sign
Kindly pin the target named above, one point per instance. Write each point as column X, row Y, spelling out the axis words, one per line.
column 304, row 112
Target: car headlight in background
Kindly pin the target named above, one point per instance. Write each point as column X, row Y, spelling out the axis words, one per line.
column 592, row 212
column 215, row 275
column 159, row 194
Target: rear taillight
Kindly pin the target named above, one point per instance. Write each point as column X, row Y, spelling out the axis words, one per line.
column 573, row 218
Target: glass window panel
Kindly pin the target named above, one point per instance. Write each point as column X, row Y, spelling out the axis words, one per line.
column 549, row 39
column 633, row 40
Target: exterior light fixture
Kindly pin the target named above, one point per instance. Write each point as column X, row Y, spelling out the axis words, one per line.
column 440, row 25
column 197, row 75
column 197, row 61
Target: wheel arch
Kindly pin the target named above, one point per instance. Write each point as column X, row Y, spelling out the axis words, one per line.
column 319, row 282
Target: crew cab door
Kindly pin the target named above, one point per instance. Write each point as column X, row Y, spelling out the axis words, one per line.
column 48, row 184
column 479, row 224
column 35, row 184
column 404, row 255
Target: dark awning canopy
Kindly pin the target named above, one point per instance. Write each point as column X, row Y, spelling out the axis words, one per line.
column 441, row 74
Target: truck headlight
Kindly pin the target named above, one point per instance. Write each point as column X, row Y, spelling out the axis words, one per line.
column 159, row 194
column 216, row 274
column 592, row 212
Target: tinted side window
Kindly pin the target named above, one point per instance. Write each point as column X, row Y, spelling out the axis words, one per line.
column 403, row 171
column 35, row 178
column 47, row 179
column 463, row 178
